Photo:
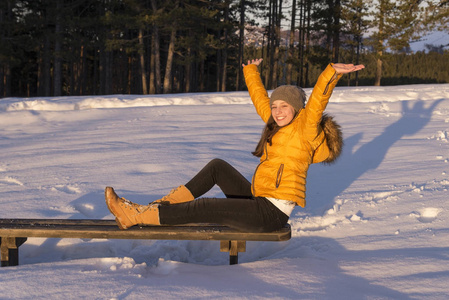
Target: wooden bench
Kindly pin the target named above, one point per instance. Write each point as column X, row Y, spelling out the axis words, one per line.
column 14, row 232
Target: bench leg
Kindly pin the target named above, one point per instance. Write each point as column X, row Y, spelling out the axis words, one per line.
column 9, row 248
column 233, row 247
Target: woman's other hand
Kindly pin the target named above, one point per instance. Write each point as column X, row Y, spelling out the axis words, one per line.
column 256, row 62
column 347, row 68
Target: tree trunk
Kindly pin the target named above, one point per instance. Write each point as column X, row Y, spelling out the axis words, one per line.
column 101, row 72
column 155, row 83
column 157, row 60
column 378, row 69
column 96, row 71
column 329, row 28
column 359, row 42
column 6, row 80
column 307, row 39
column 380, row 42
column 301, row 44
column 71, row 90
column 6, row 18
column 241, row 45
column 291, row 45
column 336, row 31
column 109, row 88
column 83, row 72
column 202, row 77
column 277, row 39
column 168, row 67
column 188, row 72
column 224, row 61
column 57, row 67
column 142, row 62
column 129, row 85
column 105, row 72
column 152, row 82
column 218, row 71
column 269, row 58
column 46, row 67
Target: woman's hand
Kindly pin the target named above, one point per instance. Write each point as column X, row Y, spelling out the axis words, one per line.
column 347, row 68
column 253, row 62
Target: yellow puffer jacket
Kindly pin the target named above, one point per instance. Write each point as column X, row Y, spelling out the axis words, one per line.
column 283, row 167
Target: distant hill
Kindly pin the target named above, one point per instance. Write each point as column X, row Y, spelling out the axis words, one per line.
column 436, row 41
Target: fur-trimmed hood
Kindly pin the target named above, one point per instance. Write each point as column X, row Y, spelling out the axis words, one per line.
column 334, row 137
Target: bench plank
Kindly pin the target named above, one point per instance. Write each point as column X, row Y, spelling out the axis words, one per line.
column 108, row 229
column 14, row 232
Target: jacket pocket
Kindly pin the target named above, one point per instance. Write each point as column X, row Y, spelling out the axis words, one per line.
column 279, row 175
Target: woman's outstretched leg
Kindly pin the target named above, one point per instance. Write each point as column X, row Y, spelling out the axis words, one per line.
column 245, row 214
column 217, row 172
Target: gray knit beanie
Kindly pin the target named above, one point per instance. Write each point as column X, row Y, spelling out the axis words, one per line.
column 291, row 94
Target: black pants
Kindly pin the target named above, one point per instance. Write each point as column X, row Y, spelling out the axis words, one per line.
column 239, row 209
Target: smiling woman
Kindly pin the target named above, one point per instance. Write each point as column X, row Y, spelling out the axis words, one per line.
column 293, row 138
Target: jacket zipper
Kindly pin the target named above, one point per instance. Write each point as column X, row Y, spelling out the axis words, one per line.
column 334, row 77
column 279, row 175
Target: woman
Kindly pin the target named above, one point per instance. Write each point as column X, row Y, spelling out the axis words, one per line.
column 293, row 139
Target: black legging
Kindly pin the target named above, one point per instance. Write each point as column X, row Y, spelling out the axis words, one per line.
column 239, row 209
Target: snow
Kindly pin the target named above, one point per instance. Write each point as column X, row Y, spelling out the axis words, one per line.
column 375, row 226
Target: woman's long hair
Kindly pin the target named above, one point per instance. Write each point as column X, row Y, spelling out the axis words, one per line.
column 267, row 135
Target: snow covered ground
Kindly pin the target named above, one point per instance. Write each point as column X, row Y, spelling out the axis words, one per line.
column 376, row 225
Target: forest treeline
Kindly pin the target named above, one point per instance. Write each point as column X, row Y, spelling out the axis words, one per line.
column 97, row 47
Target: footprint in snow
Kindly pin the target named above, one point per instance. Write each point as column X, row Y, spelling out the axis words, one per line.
column 124, row 265
column 86, row 209
column 11, row 181
column 427, row 215
column 67, row 189
column 441, row 135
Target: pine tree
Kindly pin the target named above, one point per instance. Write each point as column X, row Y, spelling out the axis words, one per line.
column 7, row 23
column 396, row 22
column 326, row 31
column 437, row 15
column 245, row 9
column 354, row 25
column 304, row 25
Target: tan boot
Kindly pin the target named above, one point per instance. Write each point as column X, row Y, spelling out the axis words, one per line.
column 180, row 194
column 128, row 214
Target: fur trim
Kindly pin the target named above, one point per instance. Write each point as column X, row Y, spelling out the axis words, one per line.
column 334, row 137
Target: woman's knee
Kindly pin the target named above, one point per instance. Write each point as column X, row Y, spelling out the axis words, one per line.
column 218, row 163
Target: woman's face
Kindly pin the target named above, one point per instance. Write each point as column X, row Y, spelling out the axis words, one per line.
column 282, row 112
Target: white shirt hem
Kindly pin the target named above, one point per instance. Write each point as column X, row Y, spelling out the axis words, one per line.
column 285, row 206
